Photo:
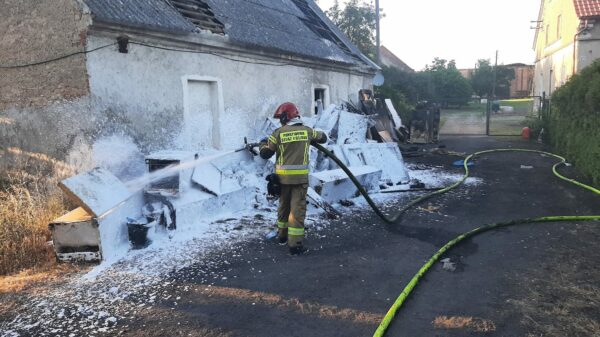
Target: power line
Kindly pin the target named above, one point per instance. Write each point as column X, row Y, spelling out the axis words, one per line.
column 144, row 45
column 55, row 59
column 279, row 64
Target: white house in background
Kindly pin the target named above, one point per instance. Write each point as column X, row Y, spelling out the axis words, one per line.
column 567, row 39
column 390, row 59
column 169, row 74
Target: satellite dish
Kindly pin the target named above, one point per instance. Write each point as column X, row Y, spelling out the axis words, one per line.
column 378, row 80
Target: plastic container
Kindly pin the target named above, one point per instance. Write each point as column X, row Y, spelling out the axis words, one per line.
column 138, row 233
column 270, row 235
column 526, row 132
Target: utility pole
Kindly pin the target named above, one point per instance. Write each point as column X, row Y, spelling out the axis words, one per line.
column 378, row 34
column 489, row 112
column 495, row 75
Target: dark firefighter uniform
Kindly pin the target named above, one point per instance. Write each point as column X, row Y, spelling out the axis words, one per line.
column 292, row 144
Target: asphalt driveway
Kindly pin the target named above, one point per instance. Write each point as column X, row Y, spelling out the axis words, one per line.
column 527, row 280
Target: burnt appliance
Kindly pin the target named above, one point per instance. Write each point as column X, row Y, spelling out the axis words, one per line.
column 76, row 237
column 177, row 168
column 89, row 232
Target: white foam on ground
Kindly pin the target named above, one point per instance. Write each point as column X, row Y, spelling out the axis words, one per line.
column 438, row 178
column 131, row 282
column 98, row 301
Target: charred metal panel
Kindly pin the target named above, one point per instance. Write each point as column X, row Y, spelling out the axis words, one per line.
column 200, row 14
column 385, row 156
column 334, row 185
column 97, row 191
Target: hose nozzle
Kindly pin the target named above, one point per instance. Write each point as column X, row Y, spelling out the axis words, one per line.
column 248, row 146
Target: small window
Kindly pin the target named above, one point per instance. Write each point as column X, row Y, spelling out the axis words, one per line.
column 558, row 28
column 319, row 100
column 320, row 97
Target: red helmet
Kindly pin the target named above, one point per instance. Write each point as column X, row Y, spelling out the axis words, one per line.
column 286, row 112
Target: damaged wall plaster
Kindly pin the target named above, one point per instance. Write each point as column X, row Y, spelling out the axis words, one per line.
column 148, row 82
column 33, row 31
column 140, row 96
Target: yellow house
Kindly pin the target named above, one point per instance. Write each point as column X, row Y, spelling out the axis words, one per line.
column 567, row 39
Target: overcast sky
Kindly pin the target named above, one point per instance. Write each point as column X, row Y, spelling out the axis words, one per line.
column 462, row 30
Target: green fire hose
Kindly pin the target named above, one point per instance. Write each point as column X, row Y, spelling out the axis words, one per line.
column 387, row 320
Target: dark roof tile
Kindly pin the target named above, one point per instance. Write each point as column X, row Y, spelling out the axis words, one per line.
column 152, row 14
column 270, row 24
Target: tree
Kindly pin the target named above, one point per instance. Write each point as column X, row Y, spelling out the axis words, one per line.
column 442, row 83
column 357, row 19
column 400, row 88
column 482, row 80
column 504, row 75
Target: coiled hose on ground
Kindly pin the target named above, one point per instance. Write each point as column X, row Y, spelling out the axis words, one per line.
column 387, row 320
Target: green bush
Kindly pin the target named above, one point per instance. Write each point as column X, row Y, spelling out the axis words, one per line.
column 573, row 123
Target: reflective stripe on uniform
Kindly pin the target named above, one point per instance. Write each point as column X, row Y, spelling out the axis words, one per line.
column 280, row 158
column 282, row 225
column 273, row 139
column 295, row 231
column 306, row 147
column 292, row 167
column 290, row 170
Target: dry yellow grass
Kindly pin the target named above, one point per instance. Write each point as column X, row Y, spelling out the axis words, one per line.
column 37, row 279
column 29, row 200
column 562, row 297
column 239, row 295
column 464, row 322
column 24, row 234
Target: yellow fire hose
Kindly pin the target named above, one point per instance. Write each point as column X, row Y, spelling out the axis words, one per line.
column 387, row 320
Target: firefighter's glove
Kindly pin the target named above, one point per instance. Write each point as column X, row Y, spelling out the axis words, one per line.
column 262, row 143
column 251, row 148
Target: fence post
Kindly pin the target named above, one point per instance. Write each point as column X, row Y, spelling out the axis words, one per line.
column 488, row 110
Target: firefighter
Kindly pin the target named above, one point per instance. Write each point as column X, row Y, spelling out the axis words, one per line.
column 291, row 142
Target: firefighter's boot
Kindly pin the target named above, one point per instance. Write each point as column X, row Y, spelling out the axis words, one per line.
column 282, row 232
column 298, row 250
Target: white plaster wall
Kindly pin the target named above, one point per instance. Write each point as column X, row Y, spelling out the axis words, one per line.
column 553, row 71
column 562, row 61
column 145, row 89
